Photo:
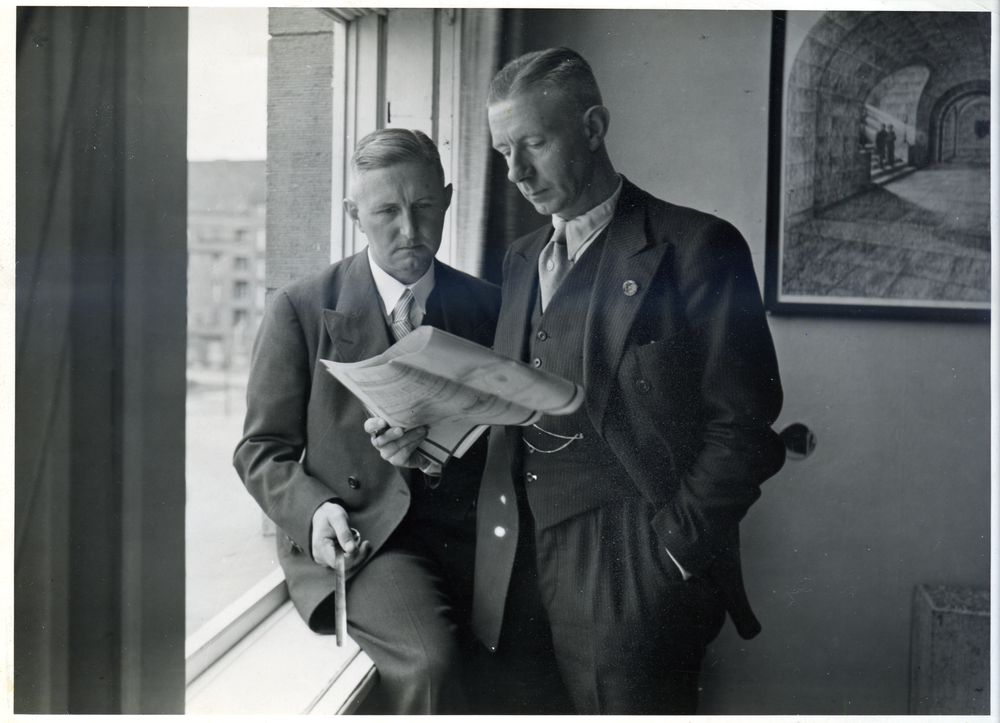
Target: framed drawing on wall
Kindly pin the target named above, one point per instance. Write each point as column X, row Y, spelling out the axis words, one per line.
column 879, row 165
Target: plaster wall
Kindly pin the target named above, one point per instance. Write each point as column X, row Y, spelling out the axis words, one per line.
column 898, row 490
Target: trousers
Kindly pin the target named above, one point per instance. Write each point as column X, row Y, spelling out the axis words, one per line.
column 595, row 605
column 408, row 608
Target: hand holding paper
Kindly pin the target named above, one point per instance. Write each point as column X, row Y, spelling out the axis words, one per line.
column 455, row 388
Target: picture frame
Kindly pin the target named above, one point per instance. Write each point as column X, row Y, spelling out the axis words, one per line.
column 878, row 167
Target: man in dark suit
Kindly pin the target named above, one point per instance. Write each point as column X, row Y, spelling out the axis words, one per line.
column 307, row 460
column 608, row 539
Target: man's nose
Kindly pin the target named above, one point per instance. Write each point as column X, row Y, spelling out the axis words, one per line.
column 407, row 223
column 518, row 167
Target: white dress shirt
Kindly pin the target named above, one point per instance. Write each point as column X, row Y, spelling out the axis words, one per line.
column 390, row 289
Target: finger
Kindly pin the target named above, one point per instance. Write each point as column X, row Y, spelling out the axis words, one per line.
column 362, row 554
column 326, row 552
column 389, row 436
column 374, row 425
column 345, row 538
column 397, row 445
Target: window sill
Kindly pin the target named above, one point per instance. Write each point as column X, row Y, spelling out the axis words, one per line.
column 258, row 657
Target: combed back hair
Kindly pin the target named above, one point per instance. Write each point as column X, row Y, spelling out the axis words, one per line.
column 389, row 146
column 559, row 69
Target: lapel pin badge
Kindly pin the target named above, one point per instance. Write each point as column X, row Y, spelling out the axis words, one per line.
column 630, row 287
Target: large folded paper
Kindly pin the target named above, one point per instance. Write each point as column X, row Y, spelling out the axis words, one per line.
column 454, row 387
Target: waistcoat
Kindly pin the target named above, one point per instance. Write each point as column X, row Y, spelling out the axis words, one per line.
column 566, row 468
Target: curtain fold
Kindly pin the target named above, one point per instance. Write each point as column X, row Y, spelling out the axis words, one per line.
column 480, row 54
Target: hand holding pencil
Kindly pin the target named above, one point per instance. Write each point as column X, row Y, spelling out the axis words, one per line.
column 338, row 546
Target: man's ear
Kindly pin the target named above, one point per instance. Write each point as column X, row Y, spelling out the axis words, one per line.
column 596, row 122
column 447, row 196
column 351, row 209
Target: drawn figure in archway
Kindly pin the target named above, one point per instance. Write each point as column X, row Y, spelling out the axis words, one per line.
column 880, row 146
column 890, row 146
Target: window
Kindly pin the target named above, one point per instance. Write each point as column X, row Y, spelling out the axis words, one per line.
column 228, row 550
column 407, row 57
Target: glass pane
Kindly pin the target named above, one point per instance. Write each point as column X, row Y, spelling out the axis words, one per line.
column 230, row 544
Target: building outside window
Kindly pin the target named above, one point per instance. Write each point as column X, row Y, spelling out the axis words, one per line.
column 228, row 546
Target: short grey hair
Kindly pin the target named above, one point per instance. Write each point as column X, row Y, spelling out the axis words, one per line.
column 389, row 146
column 559, row 69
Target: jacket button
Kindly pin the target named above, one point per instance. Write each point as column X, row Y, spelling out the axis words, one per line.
column 499, row 532
column 353, row 483
column 536, row 362
column 542, row 335
column 643, row 385
column 529, row 477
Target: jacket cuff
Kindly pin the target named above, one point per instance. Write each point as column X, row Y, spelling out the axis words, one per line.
column 677, row 546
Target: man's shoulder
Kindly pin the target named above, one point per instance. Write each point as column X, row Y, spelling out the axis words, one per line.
column 666, row 222
column 319, row 286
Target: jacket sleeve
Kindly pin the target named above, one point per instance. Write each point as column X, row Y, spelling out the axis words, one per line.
column 736, row 397
column 268, row 457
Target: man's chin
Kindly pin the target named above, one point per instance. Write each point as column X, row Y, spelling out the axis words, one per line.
column 545, row 209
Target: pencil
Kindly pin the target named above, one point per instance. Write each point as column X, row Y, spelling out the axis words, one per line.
column 340, row 597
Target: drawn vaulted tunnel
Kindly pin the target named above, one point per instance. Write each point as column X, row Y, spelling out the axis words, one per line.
column 927, row 74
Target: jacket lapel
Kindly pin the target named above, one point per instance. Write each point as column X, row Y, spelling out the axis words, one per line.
column 357, row 326
column 520, row 285
column 629, row 263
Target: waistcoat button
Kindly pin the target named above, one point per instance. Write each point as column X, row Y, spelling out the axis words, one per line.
column 542, row 335
column 353, row 483
column 643, row 385
column 536, row 362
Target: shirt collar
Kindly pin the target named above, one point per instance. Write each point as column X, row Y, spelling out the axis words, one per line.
column 390, row 289
column 583, row 229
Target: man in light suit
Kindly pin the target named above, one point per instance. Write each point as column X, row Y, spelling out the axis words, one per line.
column 608, row 539
column 306, row 458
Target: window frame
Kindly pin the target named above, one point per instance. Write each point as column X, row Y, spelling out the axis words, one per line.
column 359, row 67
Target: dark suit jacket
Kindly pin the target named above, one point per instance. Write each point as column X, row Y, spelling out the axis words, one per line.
column 304, row 440
column 681, row 382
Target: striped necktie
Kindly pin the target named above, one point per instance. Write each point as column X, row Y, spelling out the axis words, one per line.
column 401, row 325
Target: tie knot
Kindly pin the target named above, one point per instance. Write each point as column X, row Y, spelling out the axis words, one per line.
column 402, row 310
column 559, row 235
column 401, row 324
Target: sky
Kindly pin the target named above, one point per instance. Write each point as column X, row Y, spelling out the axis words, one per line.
column 227, row 84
